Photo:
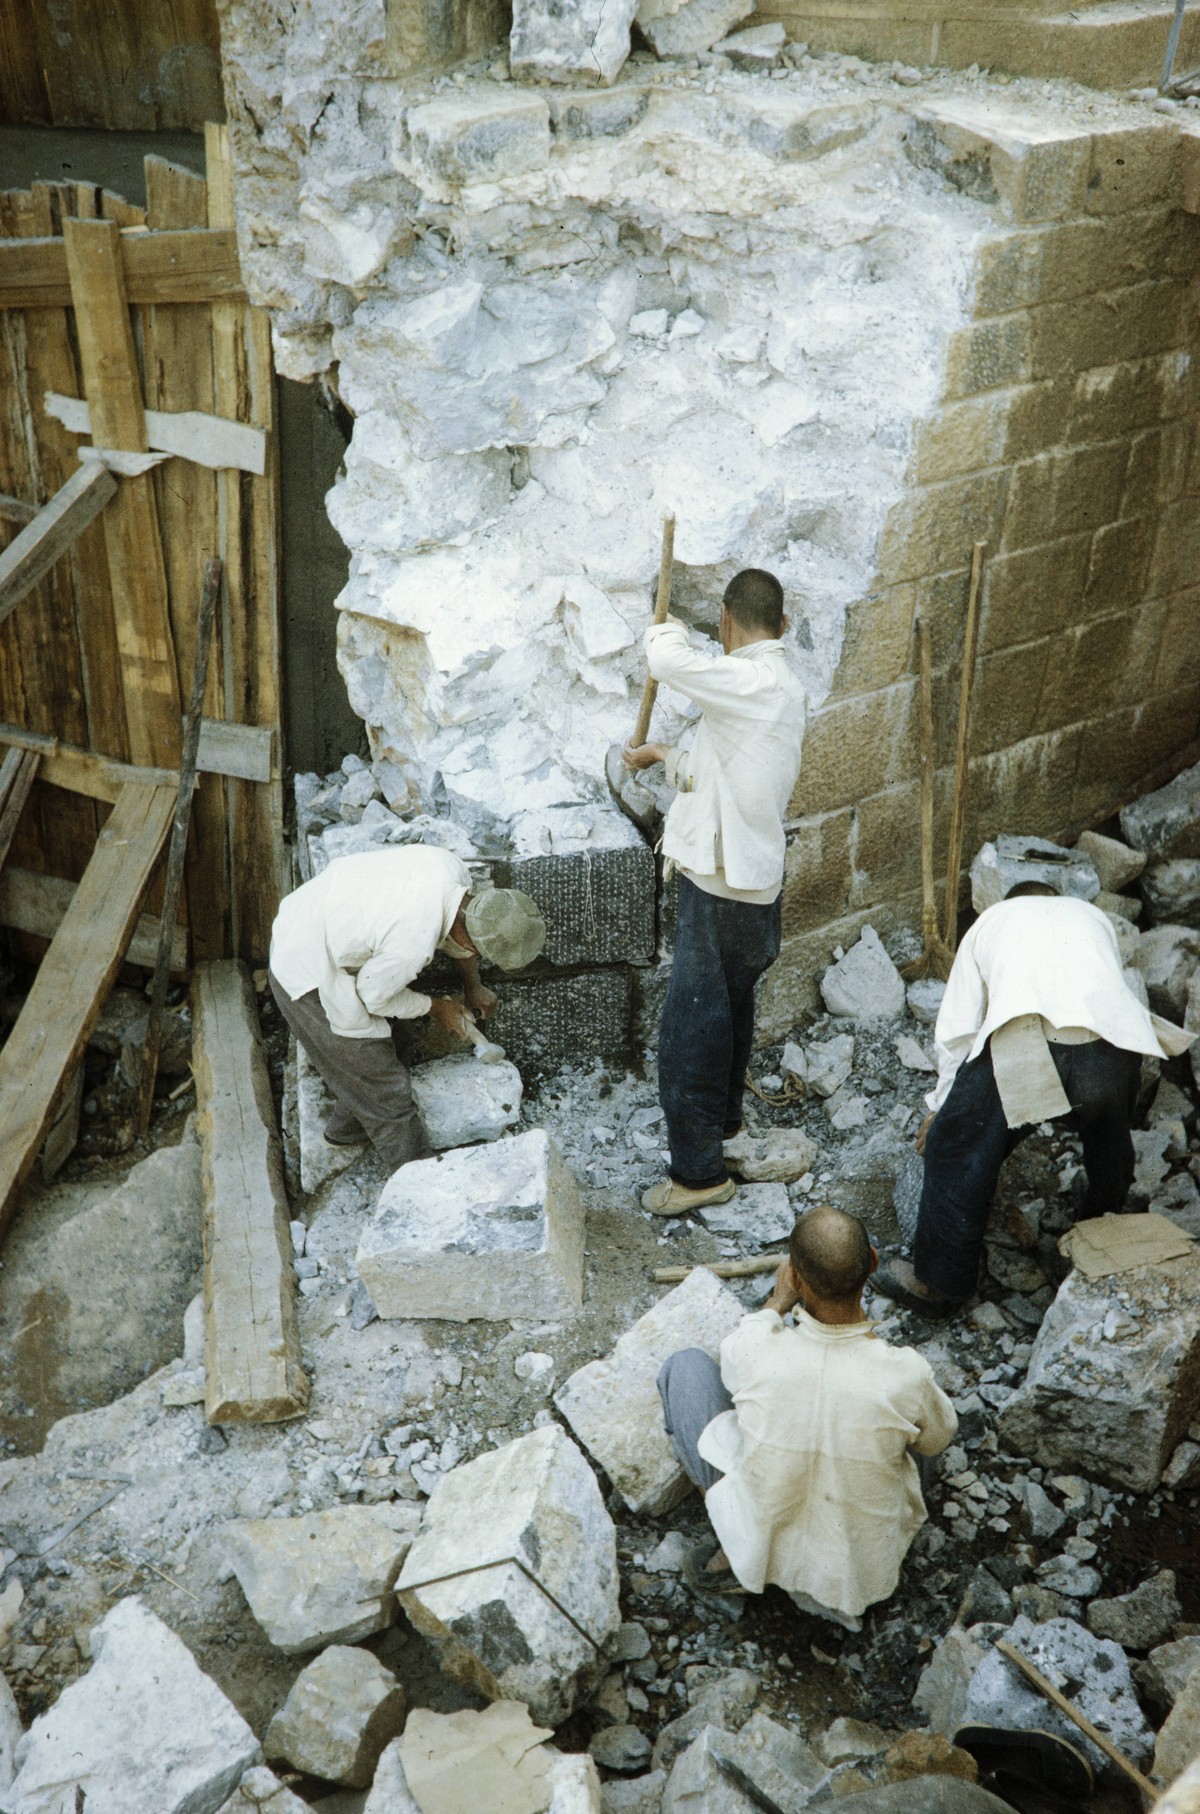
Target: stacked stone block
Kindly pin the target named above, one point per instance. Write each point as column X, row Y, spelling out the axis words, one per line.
column 1066, row 439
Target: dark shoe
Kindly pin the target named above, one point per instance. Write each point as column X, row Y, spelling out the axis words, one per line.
column 342, row 1138
column 934, row 1310
column 1039, row 1758
column 1027, row 1797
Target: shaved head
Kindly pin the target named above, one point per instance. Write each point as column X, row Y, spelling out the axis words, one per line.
column 831, row 1251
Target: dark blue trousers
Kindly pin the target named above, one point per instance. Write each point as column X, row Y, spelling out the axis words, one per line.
column 721, row 950
column 970, row 1140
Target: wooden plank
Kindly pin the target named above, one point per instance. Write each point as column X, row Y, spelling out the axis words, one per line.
column 52, row 531
column 246, row 752
column 198, row 264
column 64, row 1004
column 175, row 197
column 35, row 903
column 14, row 791
column 252, row 1361
column 191, row 434
column 245, row 389
column 131, row 529
column 118, row 65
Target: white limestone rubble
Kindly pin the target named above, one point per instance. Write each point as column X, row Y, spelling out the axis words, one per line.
column 325, row 1578
column 340, row 1713
column 513, row 1578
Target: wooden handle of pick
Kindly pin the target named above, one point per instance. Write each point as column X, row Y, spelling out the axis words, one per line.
column 662, row 604
column 1072, row 1712
column 958, row 802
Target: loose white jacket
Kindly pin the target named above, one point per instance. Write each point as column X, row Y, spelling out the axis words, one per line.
column 742, row 766
column 360, row 931
column 821, row 1494
column 1048, row 955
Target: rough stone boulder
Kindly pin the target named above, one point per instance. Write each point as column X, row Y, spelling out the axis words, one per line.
column 145, row 1731
column 1000, row 866
column 1115, row 863
column 1140, row 1619
column 613, row 1404
column 1114, row 1379
column 487, row 1231
column 864, row 984
column 1179, row 1740
column 327, row 1578
column 341, row 1712
column 261, row 1792
column 1167, row 822
column 1167, row 957
column 513, row 1578
column 1094, row 1673
column 775, row 1155
column 1172, row 891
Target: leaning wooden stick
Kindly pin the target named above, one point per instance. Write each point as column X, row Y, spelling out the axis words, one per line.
column 958, row 805
column 935, row 959
column 179, row 836
column 662, row 604
column 724, row 1269
column 1072, row 1712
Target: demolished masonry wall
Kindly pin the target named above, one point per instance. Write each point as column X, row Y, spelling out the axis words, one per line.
column 843, row 327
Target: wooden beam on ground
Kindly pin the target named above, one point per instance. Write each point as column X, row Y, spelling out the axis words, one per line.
column 36, row 903
column 63, row 1006
column 131, row 530
column 252, row 1362
column 52, row 532
column 191, row 434
column 196, row 265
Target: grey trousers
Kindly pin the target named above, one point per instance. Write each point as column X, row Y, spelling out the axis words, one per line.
column 366, row 1078
column 689, row 1384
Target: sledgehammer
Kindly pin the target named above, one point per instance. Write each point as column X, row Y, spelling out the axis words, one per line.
column 486, row 1049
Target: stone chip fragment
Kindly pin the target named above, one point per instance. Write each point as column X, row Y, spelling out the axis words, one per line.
column 341, row 1712
column 865, row 984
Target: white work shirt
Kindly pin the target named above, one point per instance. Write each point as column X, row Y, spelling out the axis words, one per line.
column 742, row 766
column 1048, row 955
column 360, row 931
column 821, row 1494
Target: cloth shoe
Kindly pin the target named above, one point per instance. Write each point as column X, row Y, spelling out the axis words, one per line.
column 343, row 1130
column 934, row 1310
column 672, row 1199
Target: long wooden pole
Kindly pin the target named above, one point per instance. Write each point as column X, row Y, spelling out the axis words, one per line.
column 179, row 835
column 958, row 806
column 662, row 604
column 1072, row 1712
column 929, row 917
column 723, row 1269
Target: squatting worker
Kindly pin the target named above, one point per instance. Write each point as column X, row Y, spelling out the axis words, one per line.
column 1037, row 1022
column 724, row 835
column 803, row 1439
column 345, row 949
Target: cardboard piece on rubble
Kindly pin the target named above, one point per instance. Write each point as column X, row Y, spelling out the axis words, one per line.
column 459, row 1763
column 1107, row 1244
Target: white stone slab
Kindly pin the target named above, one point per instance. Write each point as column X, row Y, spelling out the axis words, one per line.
column 758, row 1215
column 487, row 1231
column 326, row 1578
column 613, row 1404
column 513, row 1578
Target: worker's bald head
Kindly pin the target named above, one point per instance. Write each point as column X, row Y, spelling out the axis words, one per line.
column 832, row 1252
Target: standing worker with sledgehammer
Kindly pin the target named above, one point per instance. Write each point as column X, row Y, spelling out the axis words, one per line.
column 724, row 834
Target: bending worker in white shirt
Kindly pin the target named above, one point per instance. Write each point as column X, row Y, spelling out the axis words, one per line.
column 1037, row 1022
column 724, row 834
column 803, row 1440
column 345, row 949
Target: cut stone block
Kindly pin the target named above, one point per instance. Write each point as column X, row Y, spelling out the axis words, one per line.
column 590, row 38
column 565, row 1017
column 613, row 1404
column 865, row 984
column 476, row 138
column 696, row 26
column 758, row 1215
column 1010, row 860
column 327, row 1578
column 1115, row 863
column 1112, row 1406
column 513, row 1578
column 592, row 877
column 340, row 1713
column 486, row 1231
column 1167, row 823
column 1172, row 891
column 145, row 1730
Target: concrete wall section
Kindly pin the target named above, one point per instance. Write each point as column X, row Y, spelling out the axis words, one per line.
column 1066, row 437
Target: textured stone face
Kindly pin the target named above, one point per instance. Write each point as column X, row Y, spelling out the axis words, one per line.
column 514, row 1576
column 1167, row 823
column 487, row 1231
column 326, row 1578
column 145, row 1729
column 1011, row 860
column 613, row 1404
column 341, row 1712
column 592, row 877
column 865, row 984
column 1113, row 1405
column 560, row 42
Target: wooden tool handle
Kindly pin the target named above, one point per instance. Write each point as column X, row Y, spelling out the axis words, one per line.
column 1072, row 1712
column 662, row 604
column 958, row 805
column 479, row 1039
column 724, row 1269
column 925, row 671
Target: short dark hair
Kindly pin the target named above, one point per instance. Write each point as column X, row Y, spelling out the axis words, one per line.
column 754, row 600
column 831, row 1250
column 1023, row 888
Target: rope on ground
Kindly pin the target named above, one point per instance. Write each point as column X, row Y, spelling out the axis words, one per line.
column 794, row 1090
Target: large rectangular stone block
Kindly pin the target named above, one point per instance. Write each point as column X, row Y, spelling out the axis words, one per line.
column 565, row 1017
column 962, row 437
column 486, row 1231
column 1064, row 494
column 817, row 869
column 613, row 1404
column 876, row 642
column 1131, row 323
column 513, row 1578
column 1179, row 651
column 1008, row 689
column 1117, row 565
column 1034, row 592
column 1004, row 154
column 988, row 355
column 1108, row 401
column 929, row 529
column 595, row 890
column 1134, row 167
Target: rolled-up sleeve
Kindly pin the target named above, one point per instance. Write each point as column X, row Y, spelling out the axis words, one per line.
column 677, row 766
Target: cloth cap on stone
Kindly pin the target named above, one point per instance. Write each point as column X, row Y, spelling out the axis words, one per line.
column 505, row 927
